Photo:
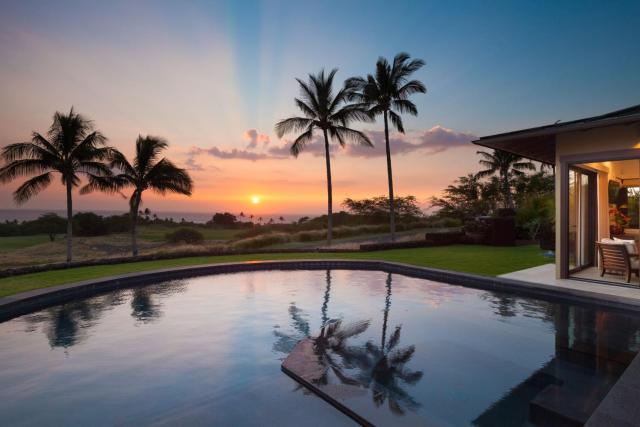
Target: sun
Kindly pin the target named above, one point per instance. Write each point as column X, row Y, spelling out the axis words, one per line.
column 255, row 200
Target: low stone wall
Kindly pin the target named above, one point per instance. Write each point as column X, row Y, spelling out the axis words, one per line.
column 155, row 257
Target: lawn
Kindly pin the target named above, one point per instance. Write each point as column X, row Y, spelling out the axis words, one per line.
column 157, row 233
column 19, row 242
column 483, row 260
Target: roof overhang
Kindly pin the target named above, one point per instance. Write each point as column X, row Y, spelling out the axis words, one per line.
column 539, row 143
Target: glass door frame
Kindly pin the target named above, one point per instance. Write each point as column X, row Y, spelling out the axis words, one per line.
column 592, row 218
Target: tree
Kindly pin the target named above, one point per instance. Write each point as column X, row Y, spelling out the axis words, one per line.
column 225, row 219
column 146, row 172
column 507, row 166
column 377, row 208
column 71, row 148
column 387, row 93
column 329, row 113
column 464, row 199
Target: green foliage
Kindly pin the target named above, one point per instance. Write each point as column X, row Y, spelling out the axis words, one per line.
column 261, row 241
column 507, row 167
column 536, row 215
column 377, row 208
column 185, row 235
column 225, row 219
column 89, row 224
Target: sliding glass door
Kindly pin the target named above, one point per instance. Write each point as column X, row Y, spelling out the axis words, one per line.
column 581, row 219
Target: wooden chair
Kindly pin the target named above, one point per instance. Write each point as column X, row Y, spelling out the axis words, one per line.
column 615, row 257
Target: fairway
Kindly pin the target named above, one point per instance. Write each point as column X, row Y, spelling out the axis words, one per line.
column 19, row 242
column 476, row 259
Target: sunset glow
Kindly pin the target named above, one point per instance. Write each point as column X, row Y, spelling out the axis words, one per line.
column 223, row 73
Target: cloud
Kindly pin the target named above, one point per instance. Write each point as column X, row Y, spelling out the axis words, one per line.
column 231, row 154
column 252, row 137
column 192, row 165
column 430, row 141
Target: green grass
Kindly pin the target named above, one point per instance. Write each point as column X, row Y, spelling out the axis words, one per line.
column 157, row 233
column 483, row 260
column 19, row 242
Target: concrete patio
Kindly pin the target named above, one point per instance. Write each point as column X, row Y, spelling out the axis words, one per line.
column 546, row 275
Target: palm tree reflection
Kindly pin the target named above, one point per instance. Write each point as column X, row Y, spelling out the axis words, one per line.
column 335, row 355
column 144, row 306
column 69, row 324
column 381, row 368
column 386, row 370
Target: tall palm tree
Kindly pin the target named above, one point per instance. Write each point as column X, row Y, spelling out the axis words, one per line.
column 387, row 93
column 146, row 172
column 71, row 148
column 328, row 112
column 507, row 166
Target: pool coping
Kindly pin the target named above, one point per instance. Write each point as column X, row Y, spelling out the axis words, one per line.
column 626, row 414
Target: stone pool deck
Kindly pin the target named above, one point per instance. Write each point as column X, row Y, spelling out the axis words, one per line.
column 544, row 276
column 619, row 408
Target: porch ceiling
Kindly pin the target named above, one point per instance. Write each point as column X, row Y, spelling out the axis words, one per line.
column 539, row 143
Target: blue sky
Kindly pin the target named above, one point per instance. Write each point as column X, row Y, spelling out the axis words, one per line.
column 205, row 73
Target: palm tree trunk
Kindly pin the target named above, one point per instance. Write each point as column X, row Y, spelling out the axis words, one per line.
column 506, row 190
column 134, row 224
column 325, row 302
column 392, row 211
column 329, row 190
column 69, row 222
column 387, row 307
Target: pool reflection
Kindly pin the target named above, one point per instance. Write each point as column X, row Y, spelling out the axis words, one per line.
column 69, row 324
column 405, row 350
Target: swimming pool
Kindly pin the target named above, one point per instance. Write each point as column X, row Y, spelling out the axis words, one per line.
column 208, row 350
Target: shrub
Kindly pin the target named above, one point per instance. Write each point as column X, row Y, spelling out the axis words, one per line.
column 89, row 224
column 261, row 241
column 185, row 235
column 310, row 236
column 447, row 222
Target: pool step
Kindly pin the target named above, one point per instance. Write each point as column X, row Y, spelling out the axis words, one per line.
column 555, row 406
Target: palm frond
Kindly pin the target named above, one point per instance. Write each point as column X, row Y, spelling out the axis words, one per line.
column 409, row 88
column 88, row 147
column 31, row 187
column 308, row 95
column 301, row 141
column 306, row 109
column 292, row 124
column 165, row 177
column 119, row 161
column 22, row 150
column 352, row 135
column 148, row 149
column 23, row 167
column 404, row 106
column 396, row 121
column 105, row 184
column 394, row 339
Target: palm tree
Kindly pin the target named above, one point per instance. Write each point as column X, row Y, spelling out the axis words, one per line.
column 507, row 166
column 146, row 172
column 71, row 148
column 387, row 93
column 329, row 113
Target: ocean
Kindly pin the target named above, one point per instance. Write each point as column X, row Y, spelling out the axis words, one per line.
column 197, row 217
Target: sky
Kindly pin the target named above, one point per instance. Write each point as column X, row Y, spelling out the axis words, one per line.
column 214, row 77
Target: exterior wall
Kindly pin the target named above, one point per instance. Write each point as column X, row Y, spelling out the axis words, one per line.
column 596, row 145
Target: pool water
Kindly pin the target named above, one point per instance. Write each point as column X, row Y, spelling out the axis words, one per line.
column 208, row 350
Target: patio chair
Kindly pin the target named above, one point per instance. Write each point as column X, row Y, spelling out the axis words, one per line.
column 616, row 257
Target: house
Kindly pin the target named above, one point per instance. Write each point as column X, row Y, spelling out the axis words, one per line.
column 597, row 171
